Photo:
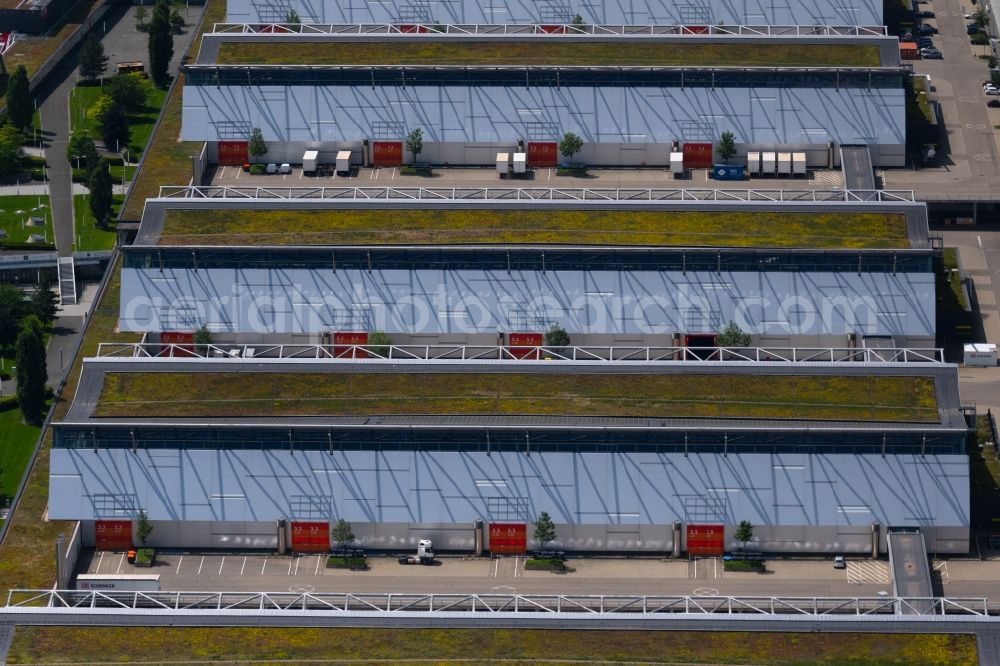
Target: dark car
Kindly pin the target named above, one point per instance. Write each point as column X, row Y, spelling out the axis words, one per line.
column 925, row 14
column 993, row 102
column 973, row 29
column 925, row 30
column 925, row 42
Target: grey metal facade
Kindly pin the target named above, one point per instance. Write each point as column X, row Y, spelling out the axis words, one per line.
column 632, row 125
column 600, row 501
column 644, row 12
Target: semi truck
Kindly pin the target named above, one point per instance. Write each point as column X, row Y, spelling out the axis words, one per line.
column 424, row 555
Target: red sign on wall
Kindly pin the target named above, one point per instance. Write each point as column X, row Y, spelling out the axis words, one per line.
column 694, row 29
column 697, row 155
column 508, row 538
column 178, row 338
column 113, row 534
column 543, row 153
column 310, row 537
column 706, row 540
column 410, row 29
column 233, row 153
column 552, row 29
column 343, row 341
column 524, row 345
column 387, row 153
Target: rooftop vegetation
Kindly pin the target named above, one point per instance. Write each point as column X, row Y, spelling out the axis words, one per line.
column 538, row 53
column 233, row 394
column 33, row 644
column 591, row 227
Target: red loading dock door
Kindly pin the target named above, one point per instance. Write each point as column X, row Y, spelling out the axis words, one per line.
column 706, row 540
column 697, row 155
column 343, row 345
column 113, row 534
column 178, row 338
column 310, row 537
column 387, row 153
column 523, row 345
column 233, row 153
column 508, row 538
column 543, row 153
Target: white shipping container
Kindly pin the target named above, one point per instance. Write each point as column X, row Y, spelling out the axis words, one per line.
column 753, row 163
column 799, row 164
column 343, row 161
column 784, row 163
column 309, row 159
column 520, row 162
column 768, row 163
column 981, row 355
column 502, row 163
column 119, row 582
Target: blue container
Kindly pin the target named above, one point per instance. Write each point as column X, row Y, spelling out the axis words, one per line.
column 727, row 172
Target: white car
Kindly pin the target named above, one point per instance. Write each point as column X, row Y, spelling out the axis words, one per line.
column 991, row 90
column 285, row 168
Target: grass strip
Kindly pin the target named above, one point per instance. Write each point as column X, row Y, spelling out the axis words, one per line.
column 83, row 97
column 15, row 224
column 17, row 441
column 177, row 394
column 597, row 227
column 563, row 53
column 33, row 644
column 88, row 237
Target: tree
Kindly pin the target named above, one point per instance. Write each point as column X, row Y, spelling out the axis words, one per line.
column 732, row 336
column 140, row 19
column 293, row 20
column 100, row 198
column 81, row 151
column 379, row 343
column 202, row 338
column 981, row 16
column 556, row 336
column 13, row 308
column 29, row 357
column 570, row 145
column 727, row 146
column 577, row 20
column 20, row 107
column 342, row 533
column 176, row 22
column 161, row 44
column 415, row 143
column 545, row 529
column 10, row 148
column 92, row 59
column 144, row 529
column 98, row 109
column 114, row 128
column 129, row 91
column 744, row 533
column 44, row 303
column 256, row 146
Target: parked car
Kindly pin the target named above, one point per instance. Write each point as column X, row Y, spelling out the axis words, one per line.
column 272, row 168
column 925, row 14
column 993, row 102
column 990, row 89
column 923, row 29
column 931, row 54
column 973, row 29
column 925, row 42
column 285, row 168
column 839, row 562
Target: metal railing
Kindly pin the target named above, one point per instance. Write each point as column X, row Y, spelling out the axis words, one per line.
column 606, row 354
column 552, row 29
column 596, row 195
column 485, row 604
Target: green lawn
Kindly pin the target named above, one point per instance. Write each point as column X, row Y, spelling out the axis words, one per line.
column 594, row 227
column 553, row 394
column 11, row 221
column 82, row 97
column 559, row 52
column 454, row 646
column 17, row 441
column 88, row 236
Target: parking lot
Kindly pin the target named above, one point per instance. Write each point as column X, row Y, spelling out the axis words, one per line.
column 308, row 572
column 543, row 177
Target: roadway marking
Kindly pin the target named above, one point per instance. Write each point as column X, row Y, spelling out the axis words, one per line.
column 201, row 564
column 975, row 126
column 99, row 562
column 297, row 558
column 393, row 173
column 244, row 565
column 319, row 558
column 968, row 98
column 942, row 569
column 221, row 564
column 705, row 592
column 179, row 565
column 289, row 568
column 263, row 566
column 864, row 571
column 120, row 562
column 982, row 157
column 979, row 239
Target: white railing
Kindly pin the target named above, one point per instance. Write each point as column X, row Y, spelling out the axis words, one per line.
column 446, row 194
column 547, row 29
column 524, row 353
column 81, row 601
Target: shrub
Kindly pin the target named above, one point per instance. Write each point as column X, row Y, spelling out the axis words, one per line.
column 257, row 169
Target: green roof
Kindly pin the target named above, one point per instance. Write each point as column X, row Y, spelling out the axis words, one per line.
column 579, row 227
column 245, row 394
column 562, row 53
